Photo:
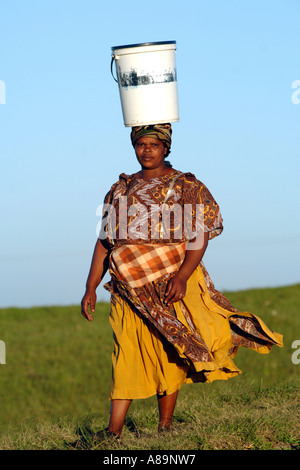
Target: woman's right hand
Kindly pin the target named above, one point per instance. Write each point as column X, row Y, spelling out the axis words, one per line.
column 88, row 301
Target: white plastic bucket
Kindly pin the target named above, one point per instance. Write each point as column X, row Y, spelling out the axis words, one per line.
column 147, row 78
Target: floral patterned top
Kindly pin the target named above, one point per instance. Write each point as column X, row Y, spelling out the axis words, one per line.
column 166, row 209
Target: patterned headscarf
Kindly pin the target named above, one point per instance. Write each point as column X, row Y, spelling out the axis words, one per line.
column 162, row 132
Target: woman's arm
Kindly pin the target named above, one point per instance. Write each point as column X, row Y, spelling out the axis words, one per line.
column 177, row 285
column 99, row 266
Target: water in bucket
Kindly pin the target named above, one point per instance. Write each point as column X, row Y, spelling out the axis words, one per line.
column 147, row 79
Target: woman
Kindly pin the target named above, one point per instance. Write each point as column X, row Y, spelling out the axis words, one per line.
column 170, row 325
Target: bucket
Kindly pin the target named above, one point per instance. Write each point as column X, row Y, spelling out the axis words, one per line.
column 147, row 79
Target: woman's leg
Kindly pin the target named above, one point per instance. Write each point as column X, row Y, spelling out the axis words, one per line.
column 166, row 406
column 118, row 412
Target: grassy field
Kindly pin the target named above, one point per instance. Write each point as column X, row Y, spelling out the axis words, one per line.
column 56, row 382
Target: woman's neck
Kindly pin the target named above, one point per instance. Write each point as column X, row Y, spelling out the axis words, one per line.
column 148, row 174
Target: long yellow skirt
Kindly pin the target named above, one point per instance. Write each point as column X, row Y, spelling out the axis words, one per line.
column 145, row 363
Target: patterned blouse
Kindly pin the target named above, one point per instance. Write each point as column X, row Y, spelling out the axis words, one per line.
column 163, row 210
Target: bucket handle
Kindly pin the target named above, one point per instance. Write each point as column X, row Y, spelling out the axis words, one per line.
column 111, row 68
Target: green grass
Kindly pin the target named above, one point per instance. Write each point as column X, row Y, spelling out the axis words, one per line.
column 56, row 383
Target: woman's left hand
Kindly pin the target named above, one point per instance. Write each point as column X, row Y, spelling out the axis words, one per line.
column 176, row 289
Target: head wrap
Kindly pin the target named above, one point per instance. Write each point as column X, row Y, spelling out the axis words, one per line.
column 162, row 132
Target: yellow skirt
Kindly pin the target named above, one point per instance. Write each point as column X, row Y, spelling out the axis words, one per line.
column 145, row 363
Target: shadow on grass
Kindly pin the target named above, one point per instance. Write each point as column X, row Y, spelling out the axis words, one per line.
column 88, row 439
column 85, row 435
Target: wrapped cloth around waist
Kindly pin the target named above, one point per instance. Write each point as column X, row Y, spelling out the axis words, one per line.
column 136, row 265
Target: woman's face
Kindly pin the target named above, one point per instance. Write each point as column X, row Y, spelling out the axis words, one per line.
column 150, row 153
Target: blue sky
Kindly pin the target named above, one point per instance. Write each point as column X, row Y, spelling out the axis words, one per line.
column 63, row 141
